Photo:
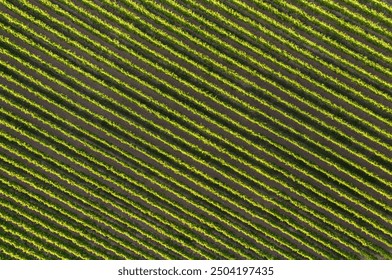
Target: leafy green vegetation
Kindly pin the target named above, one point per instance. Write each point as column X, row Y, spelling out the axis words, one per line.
column 196, row 129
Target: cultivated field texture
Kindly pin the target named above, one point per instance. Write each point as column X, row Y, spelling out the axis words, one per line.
column 196, row 129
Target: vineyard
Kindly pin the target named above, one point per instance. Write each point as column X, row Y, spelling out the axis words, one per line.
column 196, row 129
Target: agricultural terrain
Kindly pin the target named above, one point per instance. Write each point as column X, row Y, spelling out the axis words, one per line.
column 196, row 129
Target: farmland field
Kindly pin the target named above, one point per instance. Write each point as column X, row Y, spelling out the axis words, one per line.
column 196, row 129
